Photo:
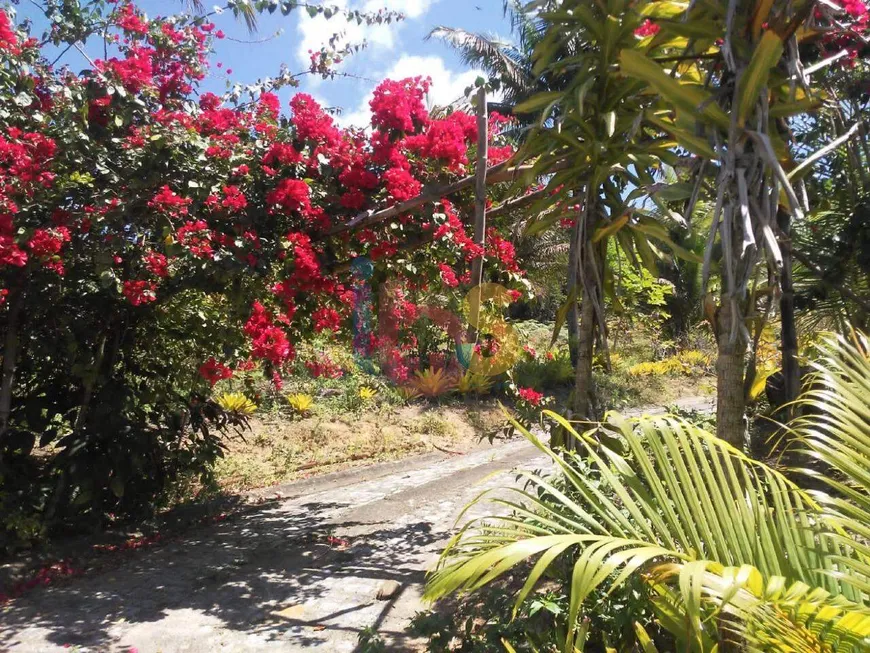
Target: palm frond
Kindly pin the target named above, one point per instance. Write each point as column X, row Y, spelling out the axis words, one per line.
column 245, row 11
column 642, row 490
column 834, row 433
column 760, row 614
column 497, row 58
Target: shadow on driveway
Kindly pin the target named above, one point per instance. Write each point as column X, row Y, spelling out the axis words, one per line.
column 272, row 572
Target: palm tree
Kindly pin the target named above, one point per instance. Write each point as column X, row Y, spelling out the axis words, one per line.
column 510, row 64
column 586, row 141
column 729, row 549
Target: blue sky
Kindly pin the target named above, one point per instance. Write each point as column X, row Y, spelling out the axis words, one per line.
column 397, row 50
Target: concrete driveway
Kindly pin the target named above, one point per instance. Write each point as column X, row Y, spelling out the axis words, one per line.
column 298, row 572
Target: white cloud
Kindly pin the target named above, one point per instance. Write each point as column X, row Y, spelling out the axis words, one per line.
column 447, row 86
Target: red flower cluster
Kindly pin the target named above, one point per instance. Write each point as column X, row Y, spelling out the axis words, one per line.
column 359, row 180
column 290, row 195
column 10, row 252
column 448, row 275
column 234, row 199
column 496, row 155
column 857, row 10
column 196, row 236
column 446, row 139
column 497, row 122
column 530, row 396
column 25, row 156
column 167, row 202
column 398, row 105
column 156, row 264
column 135, row 71
column 455, row 230
column 268, row 106
column 324, row 367
column 647, row 28
column 401, row 184
column 213, row 371
column 281, row 154
column 311, row 122
column 501, row 249
column 129, row 21
column 268, row 341
column 8, row 37
column 140, row 292
column 326, row 318
column 46, row 244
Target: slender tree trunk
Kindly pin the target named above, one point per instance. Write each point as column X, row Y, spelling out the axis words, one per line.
column 89, row 383
column 10, row 359
column 789, row 340
column 587, row 281
column 730, row 369
column 573, row 318
column 480, row 187
column 585, row 350
column 479, row 205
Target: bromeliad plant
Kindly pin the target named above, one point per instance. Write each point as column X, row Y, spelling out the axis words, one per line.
column 730, row 549
column 433, row 383
column 300, row 402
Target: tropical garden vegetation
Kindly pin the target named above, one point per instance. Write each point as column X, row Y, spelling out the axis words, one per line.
column 171, row 260
column 654, row 534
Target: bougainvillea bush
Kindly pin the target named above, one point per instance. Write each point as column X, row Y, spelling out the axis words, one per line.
column 154, row 239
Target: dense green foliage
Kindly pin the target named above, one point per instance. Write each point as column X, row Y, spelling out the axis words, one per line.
column 726, row 546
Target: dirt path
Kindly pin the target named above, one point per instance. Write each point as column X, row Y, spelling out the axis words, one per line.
column 291, row 574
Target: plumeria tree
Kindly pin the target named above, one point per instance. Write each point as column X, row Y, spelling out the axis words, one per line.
column 155, row 238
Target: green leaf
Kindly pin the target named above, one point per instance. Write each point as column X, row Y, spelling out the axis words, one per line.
column 537, row 101
column 675, row 192
column 683, row 96
column 798, row 107
column 562, row 315
column 765, row 57
column 644, row 639
column 542, row 224
column 608, row 230
column 610, row 122
column 664, row 9
column 696, row 144
column 116, row 485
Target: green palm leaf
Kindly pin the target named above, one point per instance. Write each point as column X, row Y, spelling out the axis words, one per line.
column 761, row 614
column 834, row 433
column 498, row 58
column 726, row 543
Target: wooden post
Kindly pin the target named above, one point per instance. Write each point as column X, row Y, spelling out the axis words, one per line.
column 479, row 199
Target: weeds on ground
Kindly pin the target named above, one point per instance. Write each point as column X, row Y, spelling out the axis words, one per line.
column 369, row 641
column 432, row 425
